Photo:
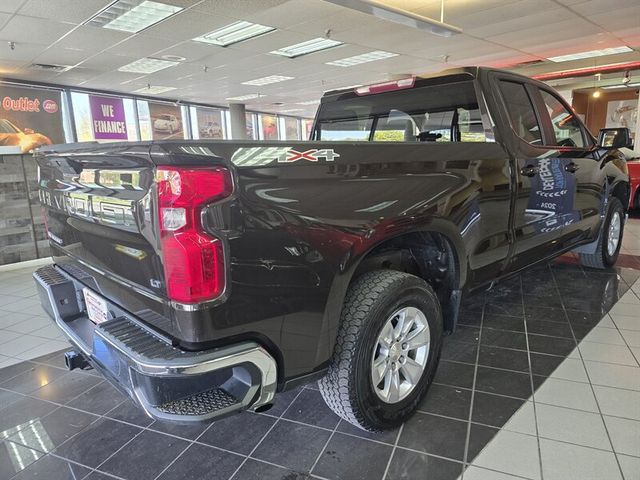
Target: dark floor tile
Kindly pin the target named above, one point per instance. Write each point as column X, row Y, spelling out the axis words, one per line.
column 99, row 399
column 188, row 431
column 494, row 410
column 504, row 358
column 52, row 468
column 129, row 412
column 11, row 371
column 34, row 378
column 15, row 458
column 282, row 401
column 255, row 470
column 466, row 334
column 544, row 364
column 479, row 437
column 540, row 312
column 503, row 382
column 470, row 318
column 539, row 288
column 407, row 465
column 550, row 301
column 503, row 338
column 97, row 442
column 551, row 345
column 386, row 436
column 473, row 303
column 239, row 433
column 66, row 387
column 56, row 428
column 593, row 304
column 353, row 458
column 581, row 331
column 199, row 462
column 503, row 322
column 456, row 374
column 293, row 445
column 447, row 401
column 7, row 397
column 311, row 408
column 513, row 309
column 508, row 290
column 554, row 329
column 458, row 351
column 55, row 359
column 436, row 435
column 22, row 412
column 145, row 456
column 96, row 475
column 584, row 319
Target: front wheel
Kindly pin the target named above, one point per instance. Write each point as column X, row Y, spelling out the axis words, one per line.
column 387, row 350
column 609, row 240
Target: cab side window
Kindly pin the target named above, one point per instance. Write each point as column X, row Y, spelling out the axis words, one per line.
column 521, row 112
column 566, row 126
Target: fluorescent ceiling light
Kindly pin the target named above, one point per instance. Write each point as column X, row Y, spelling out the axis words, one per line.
column 628, row 85
column 364, row 58
column 308, row 102
column 307, row 47
column 234, row 33
column 249, row 96
column 590, row 54
column 290, row 110
column 404, row 17
column 147, row 65
column 258, row 82
column 132, row 15
column 154, row 90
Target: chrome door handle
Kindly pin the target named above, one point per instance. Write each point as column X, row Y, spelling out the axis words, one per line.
column 572, row 167
column 529, row 170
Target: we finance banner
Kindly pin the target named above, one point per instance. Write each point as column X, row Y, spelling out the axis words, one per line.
column 108, row 118
column 29, row 118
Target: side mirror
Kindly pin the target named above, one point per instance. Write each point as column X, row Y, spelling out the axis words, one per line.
column 614, row 138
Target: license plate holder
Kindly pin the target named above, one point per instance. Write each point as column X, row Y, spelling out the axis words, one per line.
column 97, row 309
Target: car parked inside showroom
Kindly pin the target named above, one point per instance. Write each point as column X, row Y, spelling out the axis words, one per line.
column 204, row 277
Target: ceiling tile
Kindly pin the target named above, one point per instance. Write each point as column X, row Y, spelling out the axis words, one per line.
column 187, row 25
column 34, row 30
column 92, row 39
column 73, row 12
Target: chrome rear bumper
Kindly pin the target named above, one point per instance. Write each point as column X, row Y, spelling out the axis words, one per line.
column 168, row 383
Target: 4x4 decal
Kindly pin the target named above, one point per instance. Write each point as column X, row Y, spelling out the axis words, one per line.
column 313, row 155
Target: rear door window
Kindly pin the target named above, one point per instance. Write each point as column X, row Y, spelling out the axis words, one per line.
column 567, row 129
column 521, row 112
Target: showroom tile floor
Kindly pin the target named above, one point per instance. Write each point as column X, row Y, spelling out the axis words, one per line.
column 541, row 381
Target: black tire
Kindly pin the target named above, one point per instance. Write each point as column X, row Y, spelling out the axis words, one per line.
column 370, row 301
column 601, row 258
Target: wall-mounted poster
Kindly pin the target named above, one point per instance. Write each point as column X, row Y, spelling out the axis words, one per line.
column 269, row 127
column 29, row 118
column 166, row 121
column 622, row 114
column 210, row 123
column 108, row 118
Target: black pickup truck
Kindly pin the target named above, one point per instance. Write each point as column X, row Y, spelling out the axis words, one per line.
column 203, row 277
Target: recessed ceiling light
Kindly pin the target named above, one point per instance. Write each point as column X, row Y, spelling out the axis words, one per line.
column 258, row 82
column 364, row 58
column 308, row 102
column 590, row 54
column 291, row 110
column 234, row 33
column 174, row 58
column 629, row 85
column 147, row 65
column 249, row 96
column 307, row 47
column 154, row 90
column 132, row 15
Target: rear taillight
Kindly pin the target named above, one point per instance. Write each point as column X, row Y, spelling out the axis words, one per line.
column 193, row 258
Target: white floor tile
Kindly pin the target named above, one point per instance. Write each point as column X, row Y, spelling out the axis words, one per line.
column 625, row 435
column 51, row 331
column 572, row 426
column 630, row 467
column 630, row 298
column 477, row 473
column 563, row 461
column 7, row 336
column 604, row 335
column 602, row 352
column 631, row 337
column 625, row 322
column 10, row 318
column 29, row 325
column 610, row 375
column 46, row 348
column 624, row 309
column 523, row 421
column 564, row 393
column 571, row 369
column 511, row 453
column 617, row 402
column 21, row 344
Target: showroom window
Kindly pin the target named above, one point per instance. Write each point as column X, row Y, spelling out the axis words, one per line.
column 433, row 113
column 289, row 128
column 521, row 112
column 268, row 127
column 565, row 125
column 307, row 126
column 208, row 123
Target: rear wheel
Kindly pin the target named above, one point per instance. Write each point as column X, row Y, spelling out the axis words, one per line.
column 609, row 240
column 387, row 350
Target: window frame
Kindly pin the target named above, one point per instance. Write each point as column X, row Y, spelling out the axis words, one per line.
column 586, row 140
column 534, row 106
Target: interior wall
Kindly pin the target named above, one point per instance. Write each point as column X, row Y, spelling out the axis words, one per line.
column 595, row 109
